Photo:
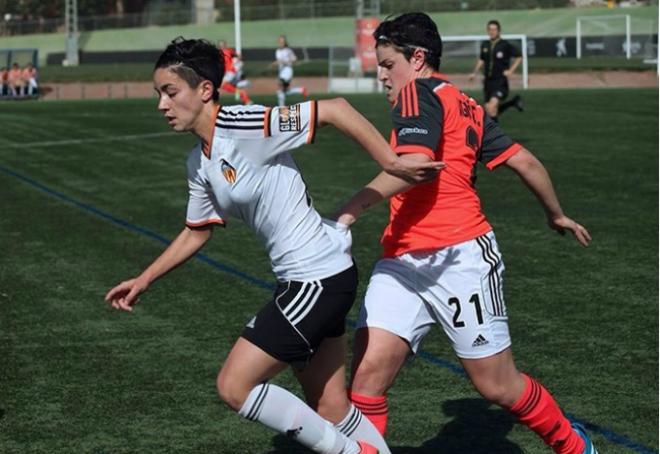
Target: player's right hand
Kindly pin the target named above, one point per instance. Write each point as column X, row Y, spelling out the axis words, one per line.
column 124, row 295
column 413, row 170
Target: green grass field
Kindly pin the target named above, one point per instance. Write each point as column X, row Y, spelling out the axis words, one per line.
column 90, row 189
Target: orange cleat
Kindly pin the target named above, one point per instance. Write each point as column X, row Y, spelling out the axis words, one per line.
column 366, row 448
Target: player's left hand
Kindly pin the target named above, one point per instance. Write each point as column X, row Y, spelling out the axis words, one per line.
column 414, row 170
column 563, row 223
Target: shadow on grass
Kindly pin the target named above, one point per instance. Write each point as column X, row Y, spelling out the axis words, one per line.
column 476, row 427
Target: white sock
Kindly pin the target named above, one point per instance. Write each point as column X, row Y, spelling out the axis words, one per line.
column 278, row 409
column 281, row 97
column 356, row 427
column 295, row 90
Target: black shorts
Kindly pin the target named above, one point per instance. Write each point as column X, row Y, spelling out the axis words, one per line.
column 496, row 88
column 301, row 315
column 285, row 84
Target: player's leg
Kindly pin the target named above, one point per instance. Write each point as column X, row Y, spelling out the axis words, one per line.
column 324, row 384
column 392, row 322
column 470, row 304
column 281, row 92
column 268, row 344
column 492, row 107
column 516, row 102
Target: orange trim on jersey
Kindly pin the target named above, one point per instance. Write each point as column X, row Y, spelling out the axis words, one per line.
column 312, row 122
column 506, row 154
column 208, row 145
column 267, row 122
column 401, row 149
column 196, row 225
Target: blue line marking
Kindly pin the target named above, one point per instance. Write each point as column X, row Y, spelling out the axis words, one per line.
column 453, row 367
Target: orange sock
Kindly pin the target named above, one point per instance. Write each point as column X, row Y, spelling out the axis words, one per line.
column 537, row 409
column 245, row 99
column 373, row 407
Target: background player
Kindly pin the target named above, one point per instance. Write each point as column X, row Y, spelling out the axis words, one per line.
column 495, row 58
column 285, row 57
column 241, row 167
column 232, row 78
column 441, row 260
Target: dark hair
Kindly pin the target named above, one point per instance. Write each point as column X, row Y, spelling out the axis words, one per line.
column 194, row 60
column 494, row 22
column 410, row 31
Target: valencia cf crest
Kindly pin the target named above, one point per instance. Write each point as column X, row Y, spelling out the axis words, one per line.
column 228, row 171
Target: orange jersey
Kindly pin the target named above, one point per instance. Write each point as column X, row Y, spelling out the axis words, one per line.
column 14, row 74
column 228, row 58
column 29, row 73
column 433, row 117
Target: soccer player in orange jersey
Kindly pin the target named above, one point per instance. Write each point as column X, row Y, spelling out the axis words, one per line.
column 441, row 262
column 231, row 79
column 29, row 75
column 15, row 80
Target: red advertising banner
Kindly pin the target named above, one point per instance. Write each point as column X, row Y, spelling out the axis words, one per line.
column 365, row 44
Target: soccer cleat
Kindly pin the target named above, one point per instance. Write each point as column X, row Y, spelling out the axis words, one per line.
column 589, row 447
column 518, row 103
column 366, row 448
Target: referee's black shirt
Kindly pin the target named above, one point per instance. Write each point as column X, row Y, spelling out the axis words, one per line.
column 496, row 56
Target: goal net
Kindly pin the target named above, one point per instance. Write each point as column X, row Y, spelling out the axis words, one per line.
column 459, row 56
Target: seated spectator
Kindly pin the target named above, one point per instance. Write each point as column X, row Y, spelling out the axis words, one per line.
column 4, row 84
column 15, row 80
column 29, row 75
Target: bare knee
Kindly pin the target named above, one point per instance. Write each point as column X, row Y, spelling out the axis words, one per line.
column 501, row 392
column 491, row 109
column 231, row 391
column 375, row 374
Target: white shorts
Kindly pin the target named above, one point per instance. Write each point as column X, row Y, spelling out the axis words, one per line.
column 459, row 287
column 286, row 74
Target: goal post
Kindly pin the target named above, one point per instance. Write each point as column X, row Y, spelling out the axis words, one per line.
column 600, row 24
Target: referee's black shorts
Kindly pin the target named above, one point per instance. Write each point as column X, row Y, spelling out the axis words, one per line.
column 496, row 88
column 301, row 315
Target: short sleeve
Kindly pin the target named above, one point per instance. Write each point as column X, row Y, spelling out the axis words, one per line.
column 203, row 209
column 285, row 128
column 514, row 51
column 417, row 118
column 496, row 146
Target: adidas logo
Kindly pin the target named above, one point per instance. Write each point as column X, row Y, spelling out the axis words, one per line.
column 293, row 433
column 479, row 341
column 250, row 324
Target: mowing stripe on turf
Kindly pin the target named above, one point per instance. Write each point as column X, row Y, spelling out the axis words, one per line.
column 606, row 433
column 57, row 143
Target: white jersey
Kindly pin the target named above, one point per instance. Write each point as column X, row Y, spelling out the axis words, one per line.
column 285, row 58
column 247, row 173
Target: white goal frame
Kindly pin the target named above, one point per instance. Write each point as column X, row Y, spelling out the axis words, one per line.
column 578, row 31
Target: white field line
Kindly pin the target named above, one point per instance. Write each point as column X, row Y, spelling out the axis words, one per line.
column 57, row 143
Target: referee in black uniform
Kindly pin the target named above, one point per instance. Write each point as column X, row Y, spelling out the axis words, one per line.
column 495, row 57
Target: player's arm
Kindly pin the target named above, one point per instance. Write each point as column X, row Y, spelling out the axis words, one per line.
column 477, row 68
column 536, row 178
column 124, row 295
column 339, row 113
column 513, row 67
column 380, row 188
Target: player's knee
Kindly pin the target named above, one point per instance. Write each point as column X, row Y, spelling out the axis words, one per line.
column 494, row 391
column 230, row 390
column 373, row 375
column 491, row 109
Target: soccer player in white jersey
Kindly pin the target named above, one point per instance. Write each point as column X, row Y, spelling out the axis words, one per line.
column 241, row 168
column 285, row 57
